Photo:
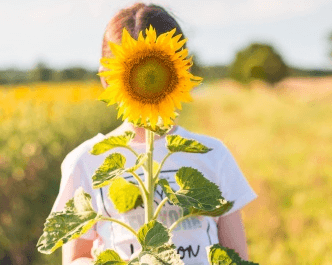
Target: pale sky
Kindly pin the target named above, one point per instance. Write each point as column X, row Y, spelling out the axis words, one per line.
column 64, row 33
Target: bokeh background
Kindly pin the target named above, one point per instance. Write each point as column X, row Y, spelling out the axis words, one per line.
column 267, row 95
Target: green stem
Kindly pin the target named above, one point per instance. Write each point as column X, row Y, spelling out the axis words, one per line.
column 140, row 182
column 175, row 224
column 155, row 177
column 132, row 150
column 149, row 176
column 120, row 223
column 161, row 204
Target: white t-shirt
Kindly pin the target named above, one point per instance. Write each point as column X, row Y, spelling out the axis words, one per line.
column 192, row 235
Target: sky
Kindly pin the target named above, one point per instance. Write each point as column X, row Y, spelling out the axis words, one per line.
column 67, row 33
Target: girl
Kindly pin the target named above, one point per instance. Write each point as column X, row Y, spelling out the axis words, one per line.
column 192, row 235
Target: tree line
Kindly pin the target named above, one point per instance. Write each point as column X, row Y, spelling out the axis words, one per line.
column 256, row 61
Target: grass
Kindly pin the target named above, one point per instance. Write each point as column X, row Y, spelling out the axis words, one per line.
column 284, row 148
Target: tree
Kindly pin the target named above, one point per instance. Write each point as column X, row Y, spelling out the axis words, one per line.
column 258, row 61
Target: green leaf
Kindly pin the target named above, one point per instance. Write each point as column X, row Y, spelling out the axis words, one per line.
column 113, row 142
column 75, row 220
column 163, row 255
column 220, row 209
column 124, row 195
column 176, row 143
column 195, row 191
column 113, row 166
column 153, row 234
column 219, row 255
column 109, row 257
column 139, row 162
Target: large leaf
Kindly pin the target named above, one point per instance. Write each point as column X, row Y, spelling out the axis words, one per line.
column 124, row 195
column 75, row 220
column 109, row 257
column 152, row 235
column 219, row 255
column 176, row 143
column 113, row 166
column 163, row 255
column 113, row 142
column 195, row 191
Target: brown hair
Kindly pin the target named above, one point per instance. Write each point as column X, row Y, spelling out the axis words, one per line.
column 135, row 19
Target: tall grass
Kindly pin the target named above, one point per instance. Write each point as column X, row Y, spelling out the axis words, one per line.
column 283, row 146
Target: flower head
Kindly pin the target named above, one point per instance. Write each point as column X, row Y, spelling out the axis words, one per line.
column 148, row 78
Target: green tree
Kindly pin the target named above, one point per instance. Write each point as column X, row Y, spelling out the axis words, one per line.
column 258, row 61
column 40, row 73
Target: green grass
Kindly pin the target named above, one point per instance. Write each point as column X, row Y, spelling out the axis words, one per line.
column 284, row 149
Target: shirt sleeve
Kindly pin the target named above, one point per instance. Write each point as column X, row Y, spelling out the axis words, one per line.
column 73, row 176
column 233, row 184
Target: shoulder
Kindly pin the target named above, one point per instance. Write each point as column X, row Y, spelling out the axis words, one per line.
column 81, row 152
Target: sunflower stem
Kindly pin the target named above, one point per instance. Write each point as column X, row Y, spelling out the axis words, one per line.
column 149, row 176
column 180, row 220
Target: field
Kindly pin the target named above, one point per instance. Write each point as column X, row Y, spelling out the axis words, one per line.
column 281, row 138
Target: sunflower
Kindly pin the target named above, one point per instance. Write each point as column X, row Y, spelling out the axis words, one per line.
column 148, row 78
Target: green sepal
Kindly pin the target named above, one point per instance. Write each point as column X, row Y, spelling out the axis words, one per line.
column 113, row 142
column 195, row 191
column 176, row 143
column 152, row 235
column 219, row 255
column 159, row 129
column 124, row 195
column 109, row 257
column 75, row 220
column 113, row 166
column 163, row 255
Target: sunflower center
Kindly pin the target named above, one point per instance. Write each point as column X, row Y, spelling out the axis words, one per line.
column 151, row 78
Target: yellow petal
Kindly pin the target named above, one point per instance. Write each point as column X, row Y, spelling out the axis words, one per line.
column 117, row 50
column 178, row 45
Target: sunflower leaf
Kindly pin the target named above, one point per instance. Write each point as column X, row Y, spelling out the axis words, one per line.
column 112, row 167
column 124, row 195
column 113, row 142
column 152, row 235
column 75, row 220
column 196, row 193
column 163, row 255
column 109, row 257
column 222, row 208
column 176, row 143
column 219, row 255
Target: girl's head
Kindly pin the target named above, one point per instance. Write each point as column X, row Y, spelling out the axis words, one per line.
column 135, row 19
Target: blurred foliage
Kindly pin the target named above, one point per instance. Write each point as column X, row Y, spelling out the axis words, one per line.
column 258, row 61
column 284, row 148
column 39, row 125
column 42, row 73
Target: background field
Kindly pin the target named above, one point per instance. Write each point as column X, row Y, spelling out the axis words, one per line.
column 281, row 137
